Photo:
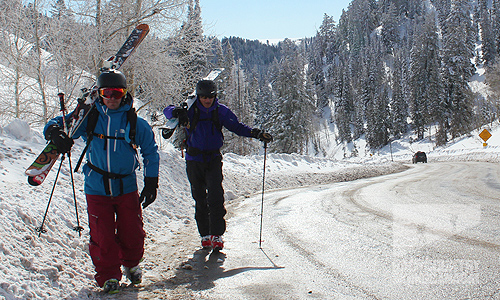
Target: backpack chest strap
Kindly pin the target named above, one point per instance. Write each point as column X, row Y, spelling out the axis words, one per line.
column 104, row 137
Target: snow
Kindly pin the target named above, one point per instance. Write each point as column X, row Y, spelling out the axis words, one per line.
column 56, row 264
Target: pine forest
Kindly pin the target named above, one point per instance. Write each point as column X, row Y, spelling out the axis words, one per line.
column 385, row 69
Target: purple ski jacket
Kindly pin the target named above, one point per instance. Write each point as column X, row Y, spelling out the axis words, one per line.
column 205, row 141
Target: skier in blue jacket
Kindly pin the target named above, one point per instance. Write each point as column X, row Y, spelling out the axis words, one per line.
column 204, row 121
column 113, row 203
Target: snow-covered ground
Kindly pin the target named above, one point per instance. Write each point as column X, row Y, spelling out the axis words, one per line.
column 56, row 264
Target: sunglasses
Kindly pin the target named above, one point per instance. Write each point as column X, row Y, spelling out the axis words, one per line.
column 116, row 93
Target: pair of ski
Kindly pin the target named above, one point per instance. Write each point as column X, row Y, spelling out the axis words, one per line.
column 38, row 170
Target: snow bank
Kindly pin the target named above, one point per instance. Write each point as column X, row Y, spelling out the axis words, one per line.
column 19, row 129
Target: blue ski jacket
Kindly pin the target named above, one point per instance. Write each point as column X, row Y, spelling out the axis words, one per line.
column 206, row 138
column 116, row 155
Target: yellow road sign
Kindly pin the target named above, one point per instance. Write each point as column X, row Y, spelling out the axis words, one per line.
column 485, row 135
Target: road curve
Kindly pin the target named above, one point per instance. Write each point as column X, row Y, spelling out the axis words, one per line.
column 431, row 232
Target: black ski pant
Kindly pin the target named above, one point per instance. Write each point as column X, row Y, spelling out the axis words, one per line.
column 206, row 188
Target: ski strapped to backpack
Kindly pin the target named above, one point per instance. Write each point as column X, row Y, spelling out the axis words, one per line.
column 38, row 170
column 92, row 118
column 173, row 123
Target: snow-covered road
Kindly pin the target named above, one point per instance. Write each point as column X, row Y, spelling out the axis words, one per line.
column 431, row 232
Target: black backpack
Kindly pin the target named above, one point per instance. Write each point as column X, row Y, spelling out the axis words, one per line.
column 180, row 137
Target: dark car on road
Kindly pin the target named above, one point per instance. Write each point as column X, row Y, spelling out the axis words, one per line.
column 419, row 157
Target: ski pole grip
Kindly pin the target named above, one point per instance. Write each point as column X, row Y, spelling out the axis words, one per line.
column 61, row 101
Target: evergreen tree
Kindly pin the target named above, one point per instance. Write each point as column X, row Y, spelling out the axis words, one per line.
column 253, row 54
column 192, row 48
column 375, row 97
column 60, row 11
column 359, row 102
column 390, row 28
column 267, row 105
column 399, row 101
column 357, row 24
column 237, row 98
column 488, row 47
column 458, row 50
column 343, row 103
column 495, row 24
column 321, row 57
column 425, row 77
column 295, row 108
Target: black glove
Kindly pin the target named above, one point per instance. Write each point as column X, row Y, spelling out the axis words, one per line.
column 59, row 138
column 148, row 194
column 181, row 114
column 261, row 135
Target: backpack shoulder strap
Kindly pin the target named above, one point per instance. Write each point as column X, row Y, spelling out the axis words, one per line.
column 196, row 118
column 92, row 118
column 215, row 119
column 132, row 120
column 91, row 123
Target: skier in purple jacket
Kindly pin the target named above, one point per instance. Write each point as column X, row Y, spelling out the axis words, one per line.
column 204, row 121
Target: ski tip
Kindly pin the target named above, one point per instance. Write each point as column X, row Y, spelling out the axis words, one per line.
column 143, row 27
column 166, row 133
column 32, row 181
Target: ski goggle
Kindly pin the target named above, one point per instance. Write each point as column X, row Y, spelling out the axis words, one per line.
column 116, row 93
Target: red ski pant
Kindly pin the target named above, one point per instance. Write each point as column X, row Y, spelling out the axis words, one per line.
column 116, row 234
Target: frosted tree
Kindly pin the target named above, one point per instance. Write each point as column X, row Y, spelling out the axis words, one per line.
column 425, row 77
column 488, row 47
column 390, row 28
column 37, row 58
column 294, row 115
column 343, row 102
column 267, row 105
column 493, row 82
column 495, row 24
column 458, row 50
column 19, row 54
column 191, row 46
column 112, row 21
column 238, row 100
column 321, row 58
column 359, row 101
column 375, row 97
column 399, row 100
column 358, row 23
column 68, row 63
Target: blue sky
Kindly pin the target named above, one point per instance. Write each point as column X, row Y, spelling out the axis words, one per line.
column 267, row 19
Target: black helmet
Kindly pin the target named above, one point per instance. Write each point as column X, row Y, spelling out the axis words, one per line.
column 206, row 88
column 112, row 78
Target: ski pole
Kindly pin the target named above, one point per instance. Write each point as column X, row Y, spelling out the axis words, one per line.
column 262, row 202
column 40, row 229
column 77, row 228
